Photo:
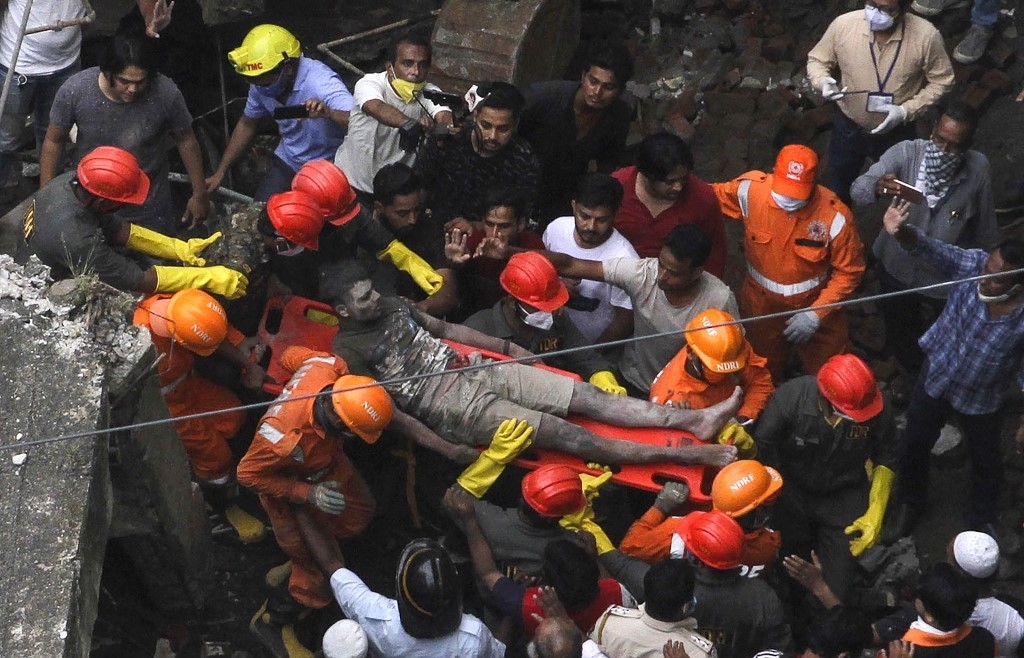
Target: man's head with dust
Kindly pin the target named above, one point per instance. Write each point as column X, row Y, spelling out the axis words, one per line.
column 347, row 287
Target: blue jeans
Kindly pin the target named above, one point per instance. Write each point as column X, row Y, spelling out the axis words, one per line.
column 849, row 145
column 985, row 13
column 29, row 94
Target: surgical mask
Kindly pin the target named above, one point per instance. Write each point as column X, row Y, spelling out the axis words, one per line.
column 788, row 203
column 406, row 90
column 878, row 20
column 274, row 89
column 542, row 320
column 996, row 299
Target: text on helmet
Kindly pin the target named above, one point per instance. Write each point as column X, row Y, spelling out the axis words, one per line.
column 368, row 408
column 201, row 334
column 742, row 482
column 708, row 326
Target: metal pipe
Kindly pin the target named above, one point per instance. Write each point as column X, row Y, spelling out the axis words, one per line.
column 175, row 177
column 14, row 58
column 378, row 30
column 223, row 104
column 341, row 62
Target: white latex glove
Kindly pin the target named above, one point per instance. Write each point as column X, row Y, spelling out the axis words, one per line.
column 830, row 90
column 800, row 327
column 897, row 115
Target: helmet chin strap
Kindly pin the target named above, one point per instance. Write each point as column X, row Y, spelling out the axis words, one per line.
column 996, row 299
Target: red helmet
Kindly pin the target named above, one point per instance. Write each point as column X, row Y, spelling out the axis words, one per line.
column 554, row 491
column 533, row 280
column 848, row 383
column 330, row 188
column 714, row 538
column 296, row 216
column 114, row 174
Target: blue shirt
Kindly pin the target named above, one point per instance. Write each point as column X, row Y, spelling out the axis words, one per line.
column 971, row 356
column 304, row 140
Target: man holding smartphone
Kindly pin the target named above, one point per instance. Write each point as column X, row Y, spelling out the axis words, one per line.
column 952, row 203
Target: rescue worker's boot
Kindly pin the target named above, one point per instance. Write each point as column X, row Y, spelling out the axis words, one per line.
column 274, row 626
column 227, row 517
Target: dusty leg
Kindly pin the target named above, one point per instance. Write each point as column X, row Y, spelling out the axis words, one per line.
column 556, row 433
column 630, row 412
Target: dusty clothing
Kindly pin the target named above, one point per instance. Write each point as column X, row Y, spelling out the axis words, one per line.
column 290, row 455
column 371, row 144
column 563, row 334
column 921, row 70
column 463, row 407
column 514, row 542
column 642, row 360
column 144, row 127
column 186, row 392
column 72, row 239
column 674, row 384
column 595, row 303
column 632, row 633
column 741, row 616
column 548, row 123
column 457, row 177
column 795, row 260
column 696, row 205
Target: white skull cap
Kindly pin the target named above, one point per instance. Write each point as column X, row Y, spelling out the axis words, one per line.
column 976, row 553
column 345, row 639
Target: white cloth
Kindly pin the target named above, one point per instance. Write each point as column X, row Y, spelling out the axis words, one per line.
column 1002, row 620
column 559, row 237
column 378, row 617
column 370, row 144
column 642, row 360
column 43, row 52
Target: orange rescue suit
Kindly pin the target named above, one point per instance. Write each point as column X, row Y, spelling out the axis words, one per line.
column 674, row 384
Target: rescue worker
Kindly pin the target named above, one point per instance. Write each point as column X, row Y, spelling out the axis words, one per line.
column 270, row 59
column 741, row 616
column 69, row 225
column 665, row 616
column 715, row 360
column 297, row 458
column 743, row 490
column 819, row 432
column 345, row 225
column 532, row 315
column 802, row 252
column 182, row 326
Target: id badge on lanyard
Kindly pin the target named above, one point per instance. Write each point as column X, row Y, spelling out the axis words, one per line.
column 880, row 101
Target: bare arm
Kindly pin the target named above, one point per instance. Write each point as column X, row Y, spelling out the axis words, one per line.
column 620, row 327
column 459, row 503
column 192, row 157
column 444, row 299
column 52, row 152
column 422, row 435
column 384, row 113
column 462, row 334
column 322, row 547
column 243, row 133
column 321, row 110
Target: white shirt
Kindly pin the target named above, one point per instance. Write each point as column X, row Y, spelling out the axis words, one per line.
column 1002, row 620
column 370, row 144
column 559, row 237
column 43, row 52
column 378, row 617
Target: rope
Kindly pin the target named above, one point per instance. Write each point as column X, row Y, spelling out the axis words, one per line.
column 489, row 364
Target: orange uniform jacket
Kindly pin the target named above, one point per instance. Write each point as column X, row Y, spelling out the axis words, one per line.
column 674, row 384
column 289, row 453
column 817, row 241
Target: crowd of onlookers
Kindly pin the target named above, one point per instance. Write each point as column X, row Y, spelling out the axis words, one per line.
column 439, row 235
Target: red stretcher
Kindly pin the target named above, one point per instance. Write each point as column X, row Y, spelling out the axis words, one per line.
column 296, row 320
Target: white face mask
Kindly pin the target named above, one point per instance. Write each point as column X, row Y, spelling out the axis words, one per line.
column 542, row 320
column 878, row 20
column 294, row 251
column 996, row 299
column 788, row 203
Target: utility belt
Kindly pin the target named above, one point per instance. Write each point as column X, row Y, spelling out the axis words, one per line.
column 785, row 289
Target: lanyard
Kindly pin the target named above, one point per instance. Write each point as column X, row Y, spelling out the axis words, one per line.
column 899, row 46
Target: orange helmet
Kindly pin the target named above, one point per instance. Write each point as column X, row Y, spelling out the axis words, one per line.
column 329, row 187
column 366, row 411
column 848, row 383
column 533, row 280
column 190, row 317
column 297, row 217
column 742, row 486
column 554, row 491
column 714, row 538
column 114, row 174
column 720, row 349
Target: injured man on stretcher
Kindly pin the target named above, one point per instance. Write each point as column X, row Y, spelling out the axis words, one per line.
column 400, row 346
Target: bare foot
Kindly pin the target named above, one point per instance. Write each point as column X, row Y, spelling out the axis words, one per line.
column 713, row 455
column 705, row 423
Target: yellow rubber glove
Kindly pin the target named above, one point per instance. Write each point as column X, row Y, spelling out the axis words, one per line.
column 734, row 434
column 409, row 262
column 870, row 525
column 592, row 483
column 605, row 380
column 162, row 246
column 511, row 438
column 218, row 280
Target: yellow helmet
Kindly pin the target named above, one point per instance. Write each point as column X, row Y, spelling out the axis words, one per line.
column 264, row 49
